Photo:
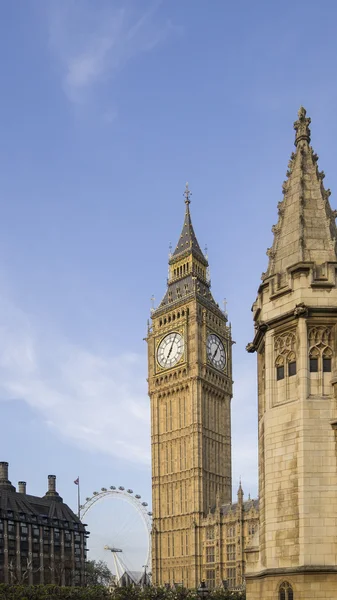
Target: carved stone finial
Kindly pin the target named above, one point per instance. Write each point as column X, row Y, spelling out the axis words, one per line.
column 301, row 112
column 301, row 126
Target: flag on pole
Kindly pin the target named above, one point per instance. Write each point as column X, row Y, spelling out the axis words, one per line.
column 77, row 482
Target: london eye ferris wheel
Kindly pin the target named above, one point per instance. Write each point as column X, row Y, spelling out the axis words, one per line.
column 120, row 532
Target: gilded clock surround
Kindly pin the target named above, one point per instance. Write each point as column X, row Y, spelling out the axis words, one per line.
column 179, row 330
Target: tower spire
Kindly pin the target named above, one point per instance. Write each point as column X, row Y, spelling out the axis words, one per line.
column 188, row 265
column 188, row 242
column 306, row 229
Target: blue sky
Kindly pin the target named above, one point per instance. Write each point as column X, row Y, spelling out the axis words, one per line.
column 107, row 109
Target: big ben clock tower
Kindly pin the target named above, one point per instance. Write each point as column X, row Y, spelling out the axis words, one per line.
column 190, row 388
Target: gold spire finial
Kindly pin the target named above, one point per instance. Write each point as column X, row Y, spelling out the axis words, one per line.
column 301, row 126
column 187, row 194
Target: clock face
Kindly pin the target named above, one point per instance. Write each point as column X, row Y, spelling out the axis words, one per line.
column 170, row 350
column 216, row 351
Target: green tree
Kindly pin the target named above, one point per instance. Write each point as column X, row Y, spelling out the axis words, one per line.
column 97, row 573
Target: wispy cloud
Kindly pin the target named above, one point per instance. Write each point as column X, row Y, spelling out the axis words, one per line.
column 99, row 402
column 96, row 401
column 94, row 40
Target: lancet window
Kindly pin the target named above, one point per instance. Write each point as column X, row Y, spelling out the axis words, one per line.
column 320, row 353
column 320, row 360
column 286, row 591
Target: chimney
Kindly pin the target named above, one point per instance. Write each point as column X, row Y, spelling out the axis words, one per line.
column 22, row 487
column 52, row 483
column 4, row 481
column 52, row 493
column 4, row 471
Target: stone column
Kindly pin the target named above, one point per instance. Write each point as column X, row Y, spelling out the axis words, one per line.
column 73, row 557
column 18, row 552
column 41, row 555
column 63, row 565
column 6, row 550
column 52, row 555
column 30, row 555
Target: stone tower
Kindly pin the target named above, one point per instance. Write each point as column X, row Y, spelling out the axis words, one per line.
column 190, row 388
column 295, row 317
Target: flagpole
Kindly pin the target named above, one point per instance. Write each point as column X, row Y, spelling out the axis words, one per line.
column 78, row 498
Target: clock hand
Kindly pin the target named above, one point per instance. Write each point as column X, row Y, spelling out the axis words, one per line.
column 168, row 356
column 216, row 350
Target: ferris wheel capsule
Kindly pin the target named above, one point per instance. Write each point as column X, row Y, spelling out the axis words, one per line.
column 138, row 496
column 130, row 491
column 121, row 488
column 112, row 487
column 144, row 504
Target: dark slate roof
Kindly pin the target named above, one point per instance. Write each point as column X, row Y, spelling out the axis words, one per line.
column 226, row 509
column 36, row 509
column 188, row 241
column 185, row 287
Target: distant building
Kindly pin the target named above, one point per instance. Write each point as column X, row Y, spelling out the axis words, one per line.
column 41, row 539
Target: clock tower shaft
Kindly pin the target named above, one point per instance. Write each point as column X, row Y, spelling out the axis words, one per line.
column 190, row 389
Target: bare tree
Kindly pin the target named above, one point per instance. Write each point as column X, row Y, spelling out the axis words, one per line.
column 21, row 576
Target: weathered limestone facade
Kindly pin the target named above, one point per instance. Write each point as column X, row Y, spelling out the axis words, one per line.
column 294, row 556
column 197, row 533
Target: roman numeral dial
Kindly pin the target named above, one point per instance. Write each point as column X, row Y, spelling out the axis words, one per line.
column 216, row 352
column 170, row 350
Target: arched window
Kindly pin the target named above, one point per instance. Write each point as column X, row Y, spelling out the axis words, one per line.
column 286, row 591
column 279, row 368
column 285, row 351
column 313, row 360
column 291, row 359
column 327, row 355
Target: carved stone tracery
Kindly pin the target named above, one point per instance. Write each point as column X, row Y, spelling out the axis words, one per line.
column 285, row 348
column 320, row 342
